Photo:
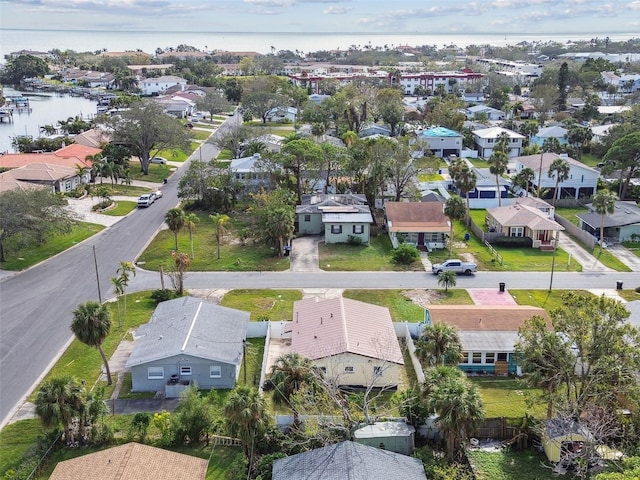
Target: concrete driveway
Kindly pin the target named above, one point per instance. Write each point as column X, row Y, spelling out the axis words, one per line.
column 304, row 254
column 626, row 256
column 578, row 254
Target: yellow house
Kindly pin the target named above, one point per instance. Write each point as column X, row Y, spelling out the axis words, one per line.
column 352, row 342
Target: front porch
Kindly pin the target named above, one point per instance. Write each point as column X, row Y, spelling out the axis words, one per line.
column 175, row 386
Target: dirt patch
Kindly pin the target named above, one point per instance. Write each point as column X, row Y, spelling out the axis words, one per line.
column 424, row 297
column 468, row 257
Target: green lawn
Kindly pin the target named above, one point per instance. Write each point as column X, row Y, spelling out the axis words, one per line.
column 157, row 172
column 263, row 304
column 225, row 154
column 234, row 256
column 200, row 135
column 540, row 298
column 430, row 177
column 255, row 352
column 629, row 295
column 570, row 213
column 507, row 397
column 509, row 465
column 123, row 208
column 373, row 257
column 609, row 259
column 121, row 189
column 15, row 439
column 590, row 160
column 177, row 155
column 21, row 258
column 401, row 307
column 633, row 247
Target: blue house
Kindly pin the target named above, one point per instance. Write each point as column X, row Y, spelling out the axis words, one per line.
column 488, row 333
column 550, row 132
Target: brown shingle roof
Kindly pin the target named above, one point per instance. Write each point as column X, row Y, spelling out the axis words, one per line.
column 132, row 461
column 322, row 328
column 485, row 317
column 523, row 216
column 416, row 216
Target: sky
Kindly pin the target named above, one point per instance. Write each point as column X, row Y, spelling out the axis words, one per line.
column 331, row 16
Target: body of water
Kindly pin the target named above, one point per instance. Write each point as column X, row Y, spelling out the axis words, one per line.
column 46, row 109
column 12, row 40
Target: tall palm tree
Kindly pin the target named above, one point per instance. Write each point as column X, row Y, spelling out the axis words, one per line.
column 190, row 220
column 552, row 145
column 440, row 344
column 458, row 406
column 447, row 279
column 465, row 179
column 118, row 289
column 98, row 163
column 58, row 402
column 246, row 416
column 524, row 178
column 455, row 209
column 290, row 372
column 91, row 324
column 498, row 166
column 604, row 202
column 281, row 223
column 124, row 271
column 559, row 170
column 578, row 137
column 174, row 219
column 220, row 220
column 182, row 262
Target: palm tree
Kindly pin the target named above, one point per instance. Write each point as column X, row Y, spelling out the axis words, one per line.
column 220, row 220
column 498, row 165
column 465, row 179
column 457, row 404
column 552, row 145
column 91, row 325
column 175, row 221
column 440, row 344
column 290, row 372
column 604, row 202
column 58, row 402
column 281, row 222
column 577, row 137
column 118, row 289
column 49, row 129
column 98, row 163
column 560, row 170
column 447, row 279
column 246, row 416
column 183, row 262
column 524, row 178
column 349, row 137
column 123, row 271
column 190, row 220
column 455, row 209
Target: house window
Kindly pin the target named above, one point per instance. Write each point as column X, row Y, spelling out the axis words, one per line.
column 377, row 371
column 517, row 231
column 67, row 185
column 489, row 140
column 307, row 218
column 336, row 228
column 358, row 229
column 465, row 357
column 155, row 373
column 215, row 371
column 322, row 370
column 502, row 357
column 185, row 371
column 490, row 357
column 477, row 357
column 349, row 369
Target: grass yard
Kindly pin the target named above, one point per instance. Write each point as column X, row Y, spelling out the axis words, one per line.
column 120, row 189
column 509, row 465
column 263, row 304
column 123, row 207
column 157, row 172
column 15, row 439
column 177, row 155
column 609, row 259
column 540, row 298
column 633, row 246
column 25, row 257
column 507, row 397
column 373, row 257
column 401, row 307
column 629, row 295
column 255, row 352
column 234, row 256
column 225, row 154
column 570, row 213
column 590, row 160
column 200, row 134
column 430, row 177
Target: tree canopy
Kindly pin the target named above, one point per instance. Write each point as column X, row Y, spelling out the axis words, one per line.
column 21, row 67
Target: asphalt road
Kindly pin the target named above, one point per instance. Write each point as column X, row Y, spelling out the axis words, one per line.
column 36, row 305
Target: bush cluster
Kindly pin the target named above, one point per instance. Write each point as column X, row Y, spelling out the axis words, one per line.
column 513, row 242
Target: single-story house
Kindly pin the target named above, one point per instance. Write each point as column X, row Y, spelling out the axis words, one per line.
column 94, row 138
column 521, row 220
column 248, row 172
column 485, row 140
column 582, row 181
column 188, row 340
column 372, row 129
column 132, row 461
column 544, row 133
column 620, row 226
column 348, row 460
column 488, row 333
column 353, row 343
column 337, row 216
column 55, row 177
column 273, row 143
column 8, row 183
column 599, row 132
column 478, row 111
column 70, row 156
column 177, row 106
column 318, row 98
column 442, row 141
column 422, row 224
column 396, row 437
column 279, row 114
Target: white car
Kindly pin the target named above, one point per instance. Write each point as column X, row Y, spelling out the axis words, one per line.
column 159, row 160
column 146, row 200
column 158, row 194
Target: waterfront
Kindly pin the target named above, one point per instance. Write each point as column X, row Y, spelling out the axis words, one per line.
column 46, row 109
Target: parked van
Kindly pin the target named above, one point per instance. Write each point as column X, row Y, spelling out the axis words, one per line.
column 146, row 200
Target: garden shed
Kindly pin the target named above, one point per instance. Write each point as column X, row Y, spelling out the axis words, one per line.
column 393, row 436
column 561, row 436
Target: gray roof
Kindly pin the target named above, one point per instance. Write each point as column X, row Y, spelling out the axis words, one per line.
column 337, row 217
column 486, row 178
column 489, row 341
column 190, row 326
column 385, row 429
column 625, row 213
column 348, row 461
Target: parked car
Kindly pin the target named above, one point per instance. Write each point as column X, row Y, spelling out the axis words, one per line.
column 159, row 160
column 158, row 194
column 146, row 200
column 454, row 265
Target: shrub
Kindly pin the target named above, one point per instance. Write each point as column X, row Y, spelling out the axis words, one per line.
column 406, row 254
column 102, row 205
column 513, row 242
column 355, row 241
column 163, row 294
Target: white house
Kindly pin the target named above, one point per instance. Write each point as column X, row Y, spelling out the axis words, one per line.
column 582, row 181
column 279, row 114
column 480, row 110
column 248, row 171
column 486, row 139
column 442, row 141
column 154, row 86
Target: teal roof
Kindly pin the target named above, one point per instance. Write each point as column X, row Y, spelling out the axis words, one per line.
column 440, row 132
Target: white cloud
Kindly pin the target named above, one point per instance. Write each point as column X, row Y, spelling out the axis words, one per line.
column 334, row 10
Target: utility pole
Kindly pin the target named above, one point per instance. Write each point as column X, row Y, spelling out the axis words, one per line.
column 244, row 359
column 95, row 262
column 553, row 261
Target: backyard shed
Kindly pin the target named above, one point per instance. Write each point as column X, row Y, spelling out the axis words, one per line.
column 392, row 436
column 561, row 435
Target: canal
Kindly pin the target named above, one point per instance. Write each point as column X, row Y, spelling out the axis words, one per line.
column 46, row 108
